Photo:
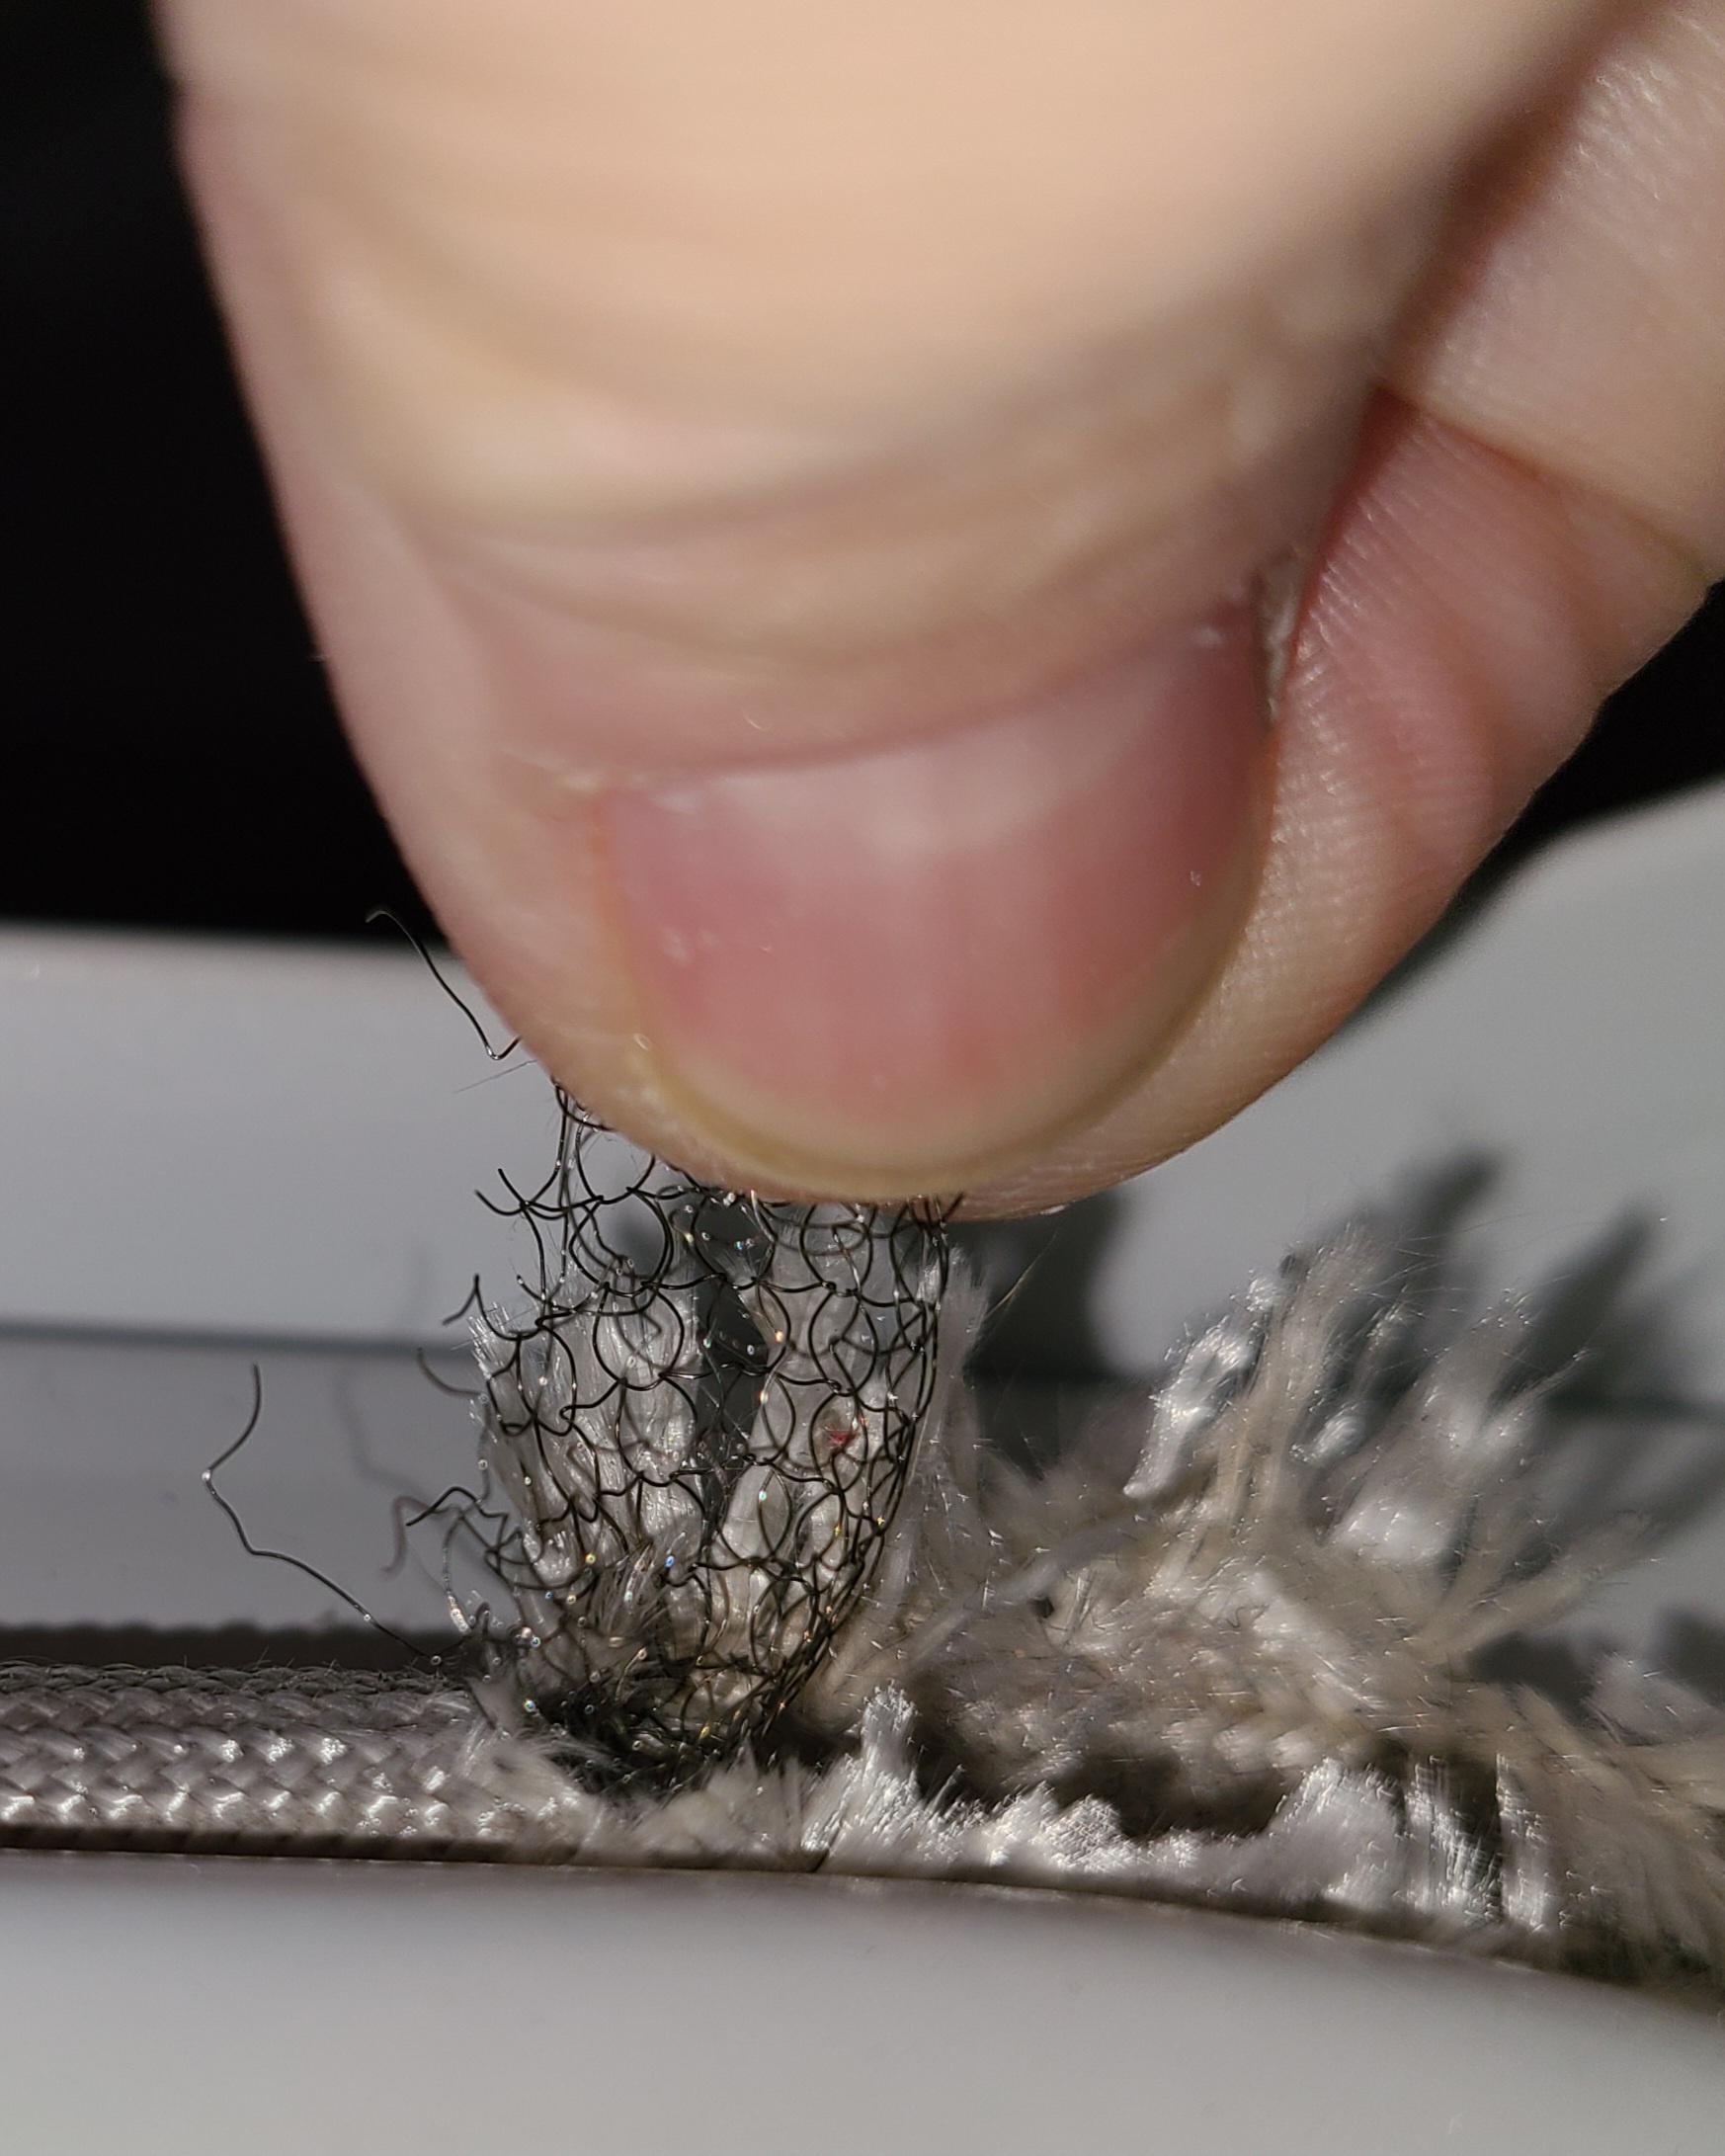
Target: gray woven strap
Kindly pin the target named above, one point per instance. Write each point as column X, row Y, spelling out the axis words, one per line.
column 315, row 1760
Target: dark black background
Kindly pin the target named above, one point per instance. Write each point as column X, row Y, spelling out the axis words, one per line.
column 170, row 753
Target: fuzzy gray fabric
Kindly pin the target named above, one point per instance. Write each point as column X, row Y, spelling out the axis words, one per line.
column 1224, row 1649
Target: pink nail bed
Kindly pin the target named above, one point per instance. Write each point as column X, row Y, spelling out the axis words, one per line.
column 937, row 953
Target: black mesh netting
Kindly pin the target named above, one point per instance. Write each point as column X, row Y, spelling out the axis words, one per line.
column 702, row 1423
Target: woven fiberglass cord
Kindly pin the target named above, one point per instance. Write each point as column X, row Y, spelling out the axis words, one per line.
column 701, row 1421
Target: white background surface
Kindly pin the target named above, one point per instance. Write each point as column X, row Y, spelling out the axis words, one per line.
column 319, row 2010
column 1574, row 1035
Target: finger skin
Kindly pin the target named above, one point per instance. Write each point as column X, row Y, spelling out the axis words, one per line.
column 630, row 483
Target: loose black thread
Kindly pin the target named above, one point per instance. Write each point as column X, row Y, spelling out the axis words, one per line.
column 497, row 1056
column 282, row 1556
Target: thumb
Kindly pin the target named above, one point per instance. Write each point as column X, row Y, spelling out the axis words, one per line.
column 800, row 504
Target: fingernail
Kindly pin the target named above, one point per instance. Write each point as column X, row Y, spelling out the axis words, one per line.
column 895, row 971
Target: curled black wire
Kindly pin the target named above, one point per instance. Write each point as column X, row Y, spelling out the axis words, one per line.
column 702, row 1421
column 497, row 1056
column 286, row 1557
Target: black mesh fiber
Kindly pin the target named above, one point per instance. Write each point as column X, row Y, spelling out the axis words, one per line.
column 701, row 1423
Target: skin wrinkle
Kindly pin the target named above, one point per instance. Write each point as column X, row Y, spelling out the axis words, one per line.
column 1341, row 870
column 1399, row 754
column 967, row 529
column 947, row 267
column 698, row 708
column 1601, row 253
column 773, row 669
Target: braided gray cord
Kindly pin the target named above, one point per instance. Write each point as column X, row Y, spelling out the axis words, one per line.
column 319, row 1762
